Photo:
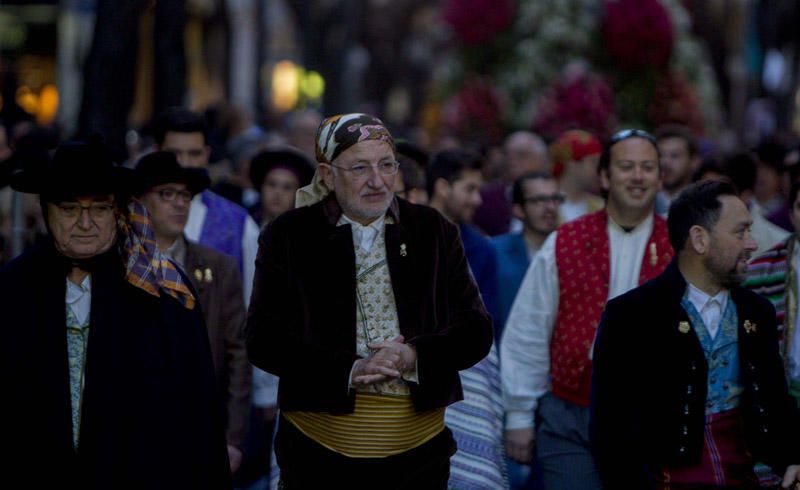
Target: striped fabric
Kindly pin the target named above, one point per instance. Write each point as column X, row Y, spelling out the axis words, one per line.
column 147, row 269
column 477, row 425
column 771, row 275
column 380, row 426
column 725, row 462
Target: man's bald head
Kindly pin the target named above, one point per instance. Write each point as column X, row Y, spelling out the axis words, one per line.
column 525, row 152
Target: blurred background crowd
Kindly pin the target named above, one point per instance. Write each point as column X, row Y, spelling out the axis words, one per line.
column 442, row 74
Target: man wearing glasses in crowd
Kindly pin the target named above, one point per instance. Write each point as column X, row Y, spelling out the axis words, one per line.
column 364, row 307
column 535, row 200
column 546, row 345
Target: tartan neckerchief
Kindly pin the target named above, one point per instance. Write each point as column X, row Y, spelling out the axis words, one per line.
column 145, row 266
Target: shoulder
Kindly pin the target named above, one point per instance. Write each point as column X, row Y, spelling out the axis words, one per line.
column 744, row 297
column 777, row 253
column 506, row 241
column 21, row 267
column 768, row 268
column 221, row 202
column 657, row 291
column 209, row 255
column 581, row 223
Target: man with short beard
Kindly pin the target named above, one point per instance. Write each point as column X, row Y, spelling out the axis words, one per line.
column 688, row 388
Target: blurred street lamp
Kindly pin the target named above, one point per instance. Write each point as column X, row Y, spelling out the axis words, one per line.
column 293, row 86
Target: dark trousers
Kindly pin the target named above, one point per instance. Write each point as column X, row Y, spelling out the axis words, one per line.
column 306, row 464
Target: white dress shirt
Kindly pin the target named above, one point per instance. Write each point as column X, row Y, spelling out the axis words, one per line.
column 79, row 299
column 194, row 227
column 525, row 346
column 709, row 307
column 363, row 236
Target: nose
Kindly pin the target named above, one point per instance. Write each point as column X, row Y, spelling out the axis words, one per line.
column 375, row 179
column 637, row 172
column 85, row 220
column 750, row 243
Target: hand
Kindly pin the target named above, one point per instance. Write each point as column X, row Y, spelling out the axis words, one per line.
column 268, row 413
column 519, row 445
column 402, row 355
column 792, row 477
column 234, row 457
column 369, row 371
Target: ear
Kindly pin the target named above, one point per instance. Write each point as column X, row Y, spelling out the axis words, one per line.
column 441, row 189
column 326, row 172
column 605, row 181
column 517, row 211
column 699, row 239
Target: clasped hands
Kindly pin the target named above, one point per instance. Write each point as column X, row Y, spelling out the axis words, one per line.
column 387, row 360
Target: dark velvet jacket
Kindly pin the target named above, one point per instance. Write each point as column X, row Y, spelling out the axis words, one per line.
column 650, row 386
column 302, row 320
column 151, row 417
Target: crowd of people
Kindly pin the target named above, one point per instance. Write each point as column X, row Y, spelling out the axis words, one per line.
column 330, row 304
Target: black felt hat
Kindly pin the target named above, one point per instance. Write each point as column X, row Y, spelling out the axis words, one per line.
column 77, row 169
column 286, row 157
column 162, row 167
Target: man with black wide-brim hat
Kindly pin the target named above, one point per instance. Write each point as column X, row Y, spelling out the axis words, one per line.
column 108, row 380
column 166, row 190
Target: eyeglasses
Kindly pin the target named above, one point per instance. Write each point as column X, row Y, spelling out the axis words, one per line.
column 169, row 194
column 631, row 133
column 554, row 198
column 362, row 170
column 98, row 210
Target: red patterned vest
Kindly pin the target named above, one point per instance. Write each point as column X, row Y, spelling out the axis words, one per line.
column 583, row 262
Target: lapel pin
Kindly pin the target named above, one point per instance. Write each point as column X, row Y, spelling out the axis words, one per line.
column 403, row 251
column 683, row 327
column 749, row 327
column 208, row 276
column 198, row 275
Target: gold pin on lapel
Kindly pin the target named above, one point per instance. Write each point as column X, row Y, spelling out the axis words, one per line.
column 683, row 327
column 198, row 275
column 653, row 254
column 749, row 327
column 208, row 276
column 403, row 251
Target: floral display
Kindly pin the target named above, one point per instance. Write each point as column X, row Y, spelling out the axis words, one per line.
column 630, row 53
column 478, row 21
column 472, row 114
column 637, row 34
column 581, row 100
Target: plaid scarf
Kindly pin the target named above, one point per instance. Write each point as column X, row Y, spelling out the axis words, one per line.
column 146, row 267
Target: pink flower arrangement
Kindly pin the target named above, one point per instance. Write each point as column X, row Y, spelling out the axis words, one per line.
column 474, row 112
column 674, row 102
column 478, row 21
column 637, row 33
column 581, row 100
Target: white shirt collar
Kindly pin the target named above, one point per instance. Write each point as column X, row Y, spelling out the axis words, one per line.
column 645, row 226
column 363, row 235
column 700, row 298
column 79, row 298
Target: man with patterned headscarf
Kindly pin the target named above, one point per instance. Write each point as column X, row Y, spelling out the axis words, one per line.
column 107, row 374
column 364, row 307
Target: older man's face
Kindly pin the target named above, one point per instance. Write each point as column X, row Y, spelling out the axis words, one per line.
column 83, row 227
column 362, row 198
